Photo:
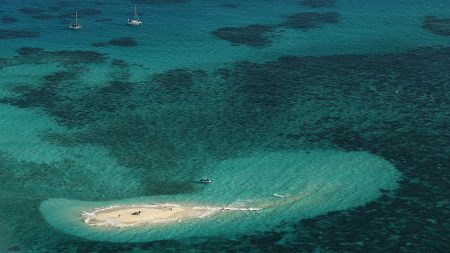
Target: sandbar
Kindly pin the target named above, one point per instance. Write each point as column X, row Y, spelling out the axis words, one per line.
column 139, row 215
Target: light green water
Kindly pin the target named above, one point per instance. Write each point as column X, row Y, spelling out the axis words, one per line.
column 312, row 183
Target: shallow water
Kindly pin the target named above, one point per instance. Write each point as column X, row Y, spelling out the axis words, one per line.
column 285, row 186
column 143, row 122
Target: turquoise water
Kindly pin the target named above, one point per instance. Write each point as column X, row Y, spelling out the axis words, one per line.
column 345, row 110
column 286, row 186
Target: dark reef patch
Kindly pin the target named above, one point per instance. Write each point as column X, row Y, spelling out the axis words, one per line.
column 100, row 3
column 436, row 25
column 71, row 112
column 259, row 85
column 17, row 34
column 21, row 89
column 318, row 3
column 25, row 51
column 121, row 71
column 7, row 19
column 61, row 76
column 116, row 88
column 251, row 35
column 31, row 10
column 3, row 62
column 14, row 248
column 75, row 57
column 119, row 63
column 51, row 95
column 394, row 105
column 119, row 42
column 309, row 20
column 37, row 97
column 123, row 42
column 159, row 1
column 56, row 96
column 230, row 5
column 177, row 83
column 175, row 77
column 260, row 35
column 42, row 17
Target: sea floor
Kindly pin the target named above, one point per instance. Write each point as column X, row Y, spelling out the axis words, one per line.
column 346, row 100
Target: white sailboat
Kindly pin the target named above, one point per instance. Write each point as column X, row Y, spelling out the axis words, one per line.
column 135, row 20
column 76, row 25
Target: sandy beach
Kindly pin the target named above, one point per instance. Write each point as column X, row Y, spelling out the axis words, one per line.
column 135, row 215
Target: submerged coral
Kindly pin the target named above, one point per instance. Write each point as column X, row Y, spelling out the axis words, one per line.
column 123, row 42
column 230, row 5
column 436, row 25
column 31, row 10
column 175, row 77
column 318, row 3
column 260, row 35
column 17, row 34
column 379, row 103
column 251, row 35
column 32, row 55
column 7, row 19
column 159, row 1
column 42, row 17
column 119, row 42
column 24, row 51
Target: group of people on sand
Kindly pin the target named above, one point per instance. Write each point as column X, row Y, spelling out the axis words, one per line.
column 139, row 212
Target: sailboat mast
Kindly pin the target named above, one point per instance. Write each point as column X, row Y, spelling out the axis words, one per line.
column 135, row 13
column 76, row 17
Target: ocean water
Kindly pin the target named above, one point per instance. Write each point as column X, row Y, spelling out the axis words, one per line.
column 286, row 186
column 342, row 108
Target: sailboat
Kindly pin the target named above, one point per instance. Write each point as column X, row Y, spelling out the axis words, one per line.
column 76, row 25
column 135, row 20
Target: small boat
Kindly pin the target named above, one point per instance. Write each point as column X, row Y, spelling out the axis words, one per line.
column 76, row 25
column 205, row 180
column 135, row 20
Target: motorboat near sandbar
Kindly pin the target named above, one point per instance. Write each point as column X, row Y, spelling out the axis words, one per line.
column 205, row 180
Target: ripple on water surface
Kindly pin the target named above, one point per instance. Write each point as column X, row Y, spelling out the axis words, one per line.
column 287, row 185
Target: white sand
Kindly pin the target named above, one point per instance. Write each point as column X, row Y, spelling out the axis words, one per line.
column 122, row 216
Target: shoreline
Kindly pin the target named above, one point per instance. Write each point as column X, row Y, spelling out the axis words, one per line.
column 133, row 215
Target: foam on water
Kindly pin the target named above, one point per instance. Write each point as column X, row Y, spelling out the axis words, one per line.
column 310, row 183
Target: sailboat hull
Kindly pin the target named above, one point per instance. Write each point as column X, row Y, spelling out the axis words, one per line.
column 134, row 22
column 75, row 27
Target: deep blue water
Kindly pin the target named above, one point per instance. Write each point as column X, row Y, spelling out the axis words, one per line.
column 113, row 112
